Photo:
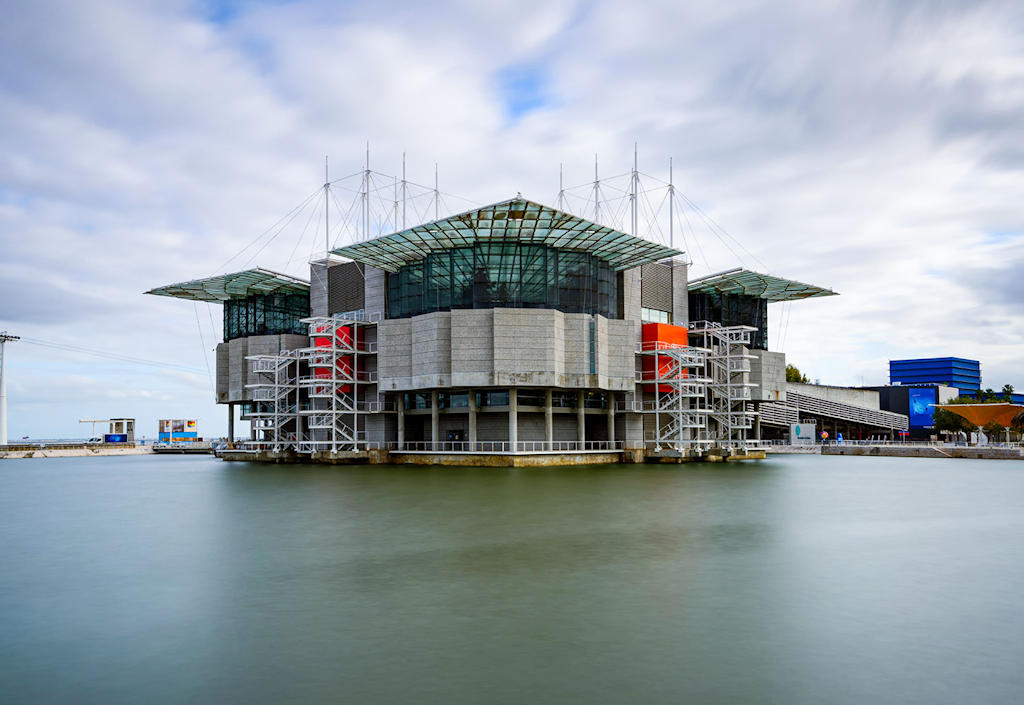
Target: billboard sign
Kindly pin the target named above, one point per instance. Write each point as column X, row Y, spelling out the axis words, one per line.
column 921, row 411
column 801, row 433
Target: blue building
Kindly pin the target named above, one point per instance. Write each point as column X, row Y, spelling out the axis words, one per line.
column 957, row 372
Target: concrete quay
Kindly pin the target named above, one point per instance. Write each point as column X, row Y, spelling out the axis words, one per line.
column 926, row 451
column 68, row 450
column 494, row 459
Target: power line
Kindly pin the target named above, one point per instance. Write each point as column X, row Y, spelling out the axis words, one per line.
column 106, row 354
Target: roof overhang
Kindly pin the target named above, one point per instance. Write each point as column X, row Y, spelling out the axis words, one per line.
column 763, row 286
column 984, row 414
column 237, row 285
column 517, row 219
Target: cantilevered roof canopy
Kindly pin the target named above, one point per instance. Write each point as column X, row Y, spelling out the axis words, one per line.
column 234, row 286
column 517, row 219
column 763, row 286
column 984, row 414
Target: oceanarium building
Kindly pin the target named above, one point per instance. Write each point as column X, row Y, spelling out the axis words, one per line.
column 514, row 333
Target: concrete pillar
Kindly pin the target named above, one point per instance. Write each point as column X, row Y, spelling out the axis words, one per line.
column 400, row 407
column 549, row 425
column 472, row 419
column 757, row 427
column 513, row 418
column 434, row 421
column 611, row 417
column 581, row 419
column 231, row 423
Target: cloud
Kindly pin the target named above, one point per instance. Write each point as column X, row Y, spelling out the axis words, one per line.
column 866, row 146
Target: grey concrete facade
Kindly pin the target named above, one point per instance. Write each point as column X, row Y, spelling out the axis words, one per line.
column 768, row 373
column 233, row 368
column 507, row 348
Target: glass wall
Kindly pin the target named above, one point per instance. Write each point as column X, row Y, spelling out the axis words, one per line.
column 504, row 274
column 733, row 310
column 268, row 314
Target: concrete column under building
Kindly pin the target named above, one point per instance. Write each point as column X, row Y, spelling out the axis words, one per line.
column 231, row 422
column 472, row 419
column 581, row 418
column 513, row 418
column 611, row 418
column 549, row 425
column 400, row 408
column 434, row 420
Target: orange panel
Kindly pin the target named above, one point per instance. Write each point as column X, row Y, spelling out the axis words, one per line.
column 661, row 336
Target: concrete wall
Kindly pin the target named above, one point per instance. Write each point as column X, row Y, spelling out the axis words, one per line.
column 233, row 368
column 504, row 348
column 768, row 372
column 318, row 288
column 680, row 293
column 865, row 398
column 630, row 294
column 375, row 297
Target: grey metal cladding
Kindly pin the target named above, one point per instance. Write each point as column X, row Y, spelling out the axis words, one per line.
column 345, row 290
column 656, row 286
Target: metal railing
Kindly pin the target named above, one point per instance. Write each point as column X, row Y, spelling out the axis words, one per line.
column 505, row 446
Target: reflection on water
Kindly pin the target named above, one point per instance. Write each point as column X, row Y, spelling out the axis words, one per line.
column 797, row 579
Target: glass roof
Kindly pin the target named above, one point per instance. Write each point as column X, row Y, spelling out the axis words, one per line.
column 237, row 285
column 763, row 286
column 517, row 219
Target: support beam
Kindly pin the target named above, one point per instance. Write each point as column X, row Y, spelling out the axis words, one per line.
column 611, row 417
column 472, row 418
column 231, row 422
column 434, row 421
column 581, row 419
column 513, row 419
column 549, row 424
column 400, row 408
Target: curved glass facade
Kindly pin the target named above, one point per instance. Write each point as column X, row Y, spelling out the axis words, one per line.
column 504, row 275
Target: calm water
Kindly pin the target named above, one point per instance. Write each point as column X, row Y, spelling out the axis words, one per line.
column 794, row 580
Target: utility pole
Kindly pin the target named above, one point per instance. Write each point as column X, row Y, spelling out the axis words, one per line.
column 4, row 339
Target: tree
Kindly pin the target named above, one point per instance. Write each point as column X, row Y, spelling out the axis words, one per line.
column 988, row 396
column 794, row 375
column 1008, row 392
column 946, row 420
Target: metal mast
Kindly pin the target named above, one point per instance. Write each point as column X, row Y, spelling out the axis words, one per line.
column 4, row 339
column 404, row 187
column 561, row 189
column 437, row 196
column 327, row 213
column 597, row 194
column 633, row 194
column 671, row 206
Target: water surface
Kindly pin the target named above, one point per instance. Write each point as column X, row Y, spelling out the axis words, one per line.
column 800, row 579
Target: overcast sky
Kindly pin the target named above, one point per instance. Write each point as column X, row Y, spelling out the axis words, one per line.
column 871, row 147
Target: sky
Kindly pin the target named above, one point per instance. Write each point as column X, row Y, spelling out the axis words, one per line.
column 871, row 147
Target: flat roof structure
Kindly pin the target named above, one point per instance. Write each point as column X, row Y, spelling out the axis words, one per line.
column 517, row 219
column 984, row 414
column 237, row 285
column 763, row 286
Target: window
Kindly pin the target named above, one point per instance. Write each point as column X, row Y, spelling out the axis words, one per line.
column 504, row 274
column 653, row 315
column 268, row 314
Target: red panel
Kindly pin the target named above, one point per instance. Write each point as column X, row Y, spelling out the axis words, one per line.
column 661, row 336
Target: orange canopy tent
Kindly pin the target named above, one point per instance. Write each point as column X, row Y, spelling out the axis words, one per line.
column 984, row 414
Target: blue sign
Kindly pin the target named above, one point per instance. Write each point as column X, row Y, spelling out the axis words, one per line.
column 922, row 413
column 115, row 438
